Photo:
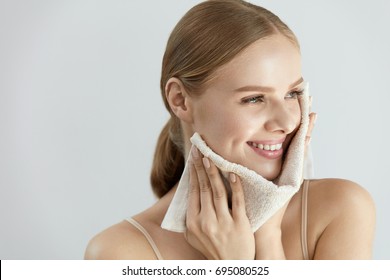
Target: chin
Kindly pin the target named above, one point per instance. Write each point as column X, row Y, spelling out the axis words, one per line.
column 270, row 173
column 270, row 177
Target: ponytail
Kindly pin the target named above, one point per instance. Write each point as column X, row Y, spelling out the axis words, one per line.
column 168, row 162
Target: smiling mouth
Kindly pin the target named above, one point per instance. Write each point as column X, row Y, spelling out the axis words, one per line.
column 268, row 151
column 266, row 147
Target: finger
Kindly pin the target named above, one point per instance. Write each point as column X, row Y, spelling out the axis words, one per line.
column 238, row 201
column 312, row 120
column 206, row 200
column 218, row 188
column 193, row 196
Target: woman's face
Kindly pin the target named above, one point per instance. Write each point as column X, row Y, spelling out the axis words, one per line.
column 250, row 111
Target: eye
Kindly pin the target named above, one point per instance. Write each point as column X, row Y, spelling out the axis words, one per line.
column 253, row 99
column 294, row 94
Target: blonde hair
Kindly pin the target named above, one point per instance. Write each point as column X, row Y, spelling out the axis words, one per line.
column 208, row 36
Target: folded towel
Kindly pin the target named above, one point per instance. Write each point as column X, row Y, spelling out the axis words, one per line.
column 263, row 198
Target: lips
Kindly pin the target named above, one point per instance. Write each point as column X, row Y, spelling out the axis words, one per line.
column 268, row 149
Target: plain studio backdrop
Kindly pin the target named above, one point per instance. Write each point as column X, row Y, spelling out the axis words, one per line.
column 80, row 110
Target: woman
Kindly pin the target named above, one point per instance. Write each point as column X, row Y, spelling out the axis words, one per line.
column 232, row 72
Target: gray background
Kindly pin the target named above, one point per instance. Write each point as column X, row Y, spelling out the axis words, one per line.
column 80, row 110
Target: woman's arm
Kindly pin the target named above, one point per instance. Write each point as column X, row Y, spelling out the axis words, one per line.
column 269, row 238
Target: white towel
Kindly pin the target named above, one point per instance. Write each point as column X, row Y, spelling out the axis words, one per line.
column 263, row 198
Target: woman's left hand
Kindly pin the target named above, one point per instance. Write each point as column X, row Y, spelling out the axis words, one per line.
column 268, row 236
column 312, row 121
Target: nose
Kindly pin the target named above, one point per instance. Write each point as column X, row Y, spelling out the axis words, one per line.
column 283, row 118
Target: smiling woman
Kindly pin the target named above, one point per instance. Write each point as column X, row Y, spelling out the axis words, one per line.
column 228, row 119
column 232, row 73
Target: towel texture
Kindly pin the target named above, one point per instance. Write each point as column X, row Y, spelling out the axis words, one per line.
column 262, row 197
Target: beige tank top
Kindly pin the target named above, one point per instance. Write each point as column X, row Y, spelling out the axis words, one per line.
column 303, row 227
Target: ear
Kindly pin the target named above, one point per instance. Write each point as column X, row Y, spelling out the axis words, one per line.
column 178, row 99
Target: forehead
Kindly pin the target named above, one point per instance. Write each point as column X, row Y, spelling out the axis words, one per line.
column 271, row 61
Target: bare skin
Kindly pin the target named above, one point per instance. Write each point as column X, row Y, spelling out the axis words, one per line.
column 340, row 226
column 341, row 214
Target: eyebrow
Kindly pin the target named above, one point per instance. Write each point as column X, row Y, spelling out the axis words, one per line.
column 265, row 89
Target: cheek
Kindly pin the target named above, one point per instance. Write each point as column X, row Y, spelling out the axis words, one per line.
column 220, row 126
column 217, row 122
column 295, row 113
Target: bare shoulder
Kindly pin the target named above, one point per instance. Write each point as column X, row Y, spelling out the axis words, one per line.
column 120, row 241
column 340, row 195
column 344, row 213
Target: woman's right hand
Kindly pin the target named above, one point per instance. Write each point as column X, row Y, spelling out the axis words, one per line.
column 212, row 228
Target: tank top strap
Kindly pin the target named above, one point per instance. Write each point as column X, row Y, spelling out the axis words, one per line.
column 147, row 236
column 304, row 199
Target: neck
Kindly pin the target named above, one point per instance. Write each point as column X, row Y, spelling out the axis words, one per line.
column 159, row 209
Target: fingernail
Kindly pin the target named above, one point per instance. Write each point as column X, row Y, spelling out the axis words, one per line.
column 308, row 141
column 232, row 177
column 195, row 152
column 206, row 162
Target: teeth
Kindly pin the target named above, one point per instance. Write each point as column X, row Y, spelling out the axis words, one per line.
column 267, row 147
